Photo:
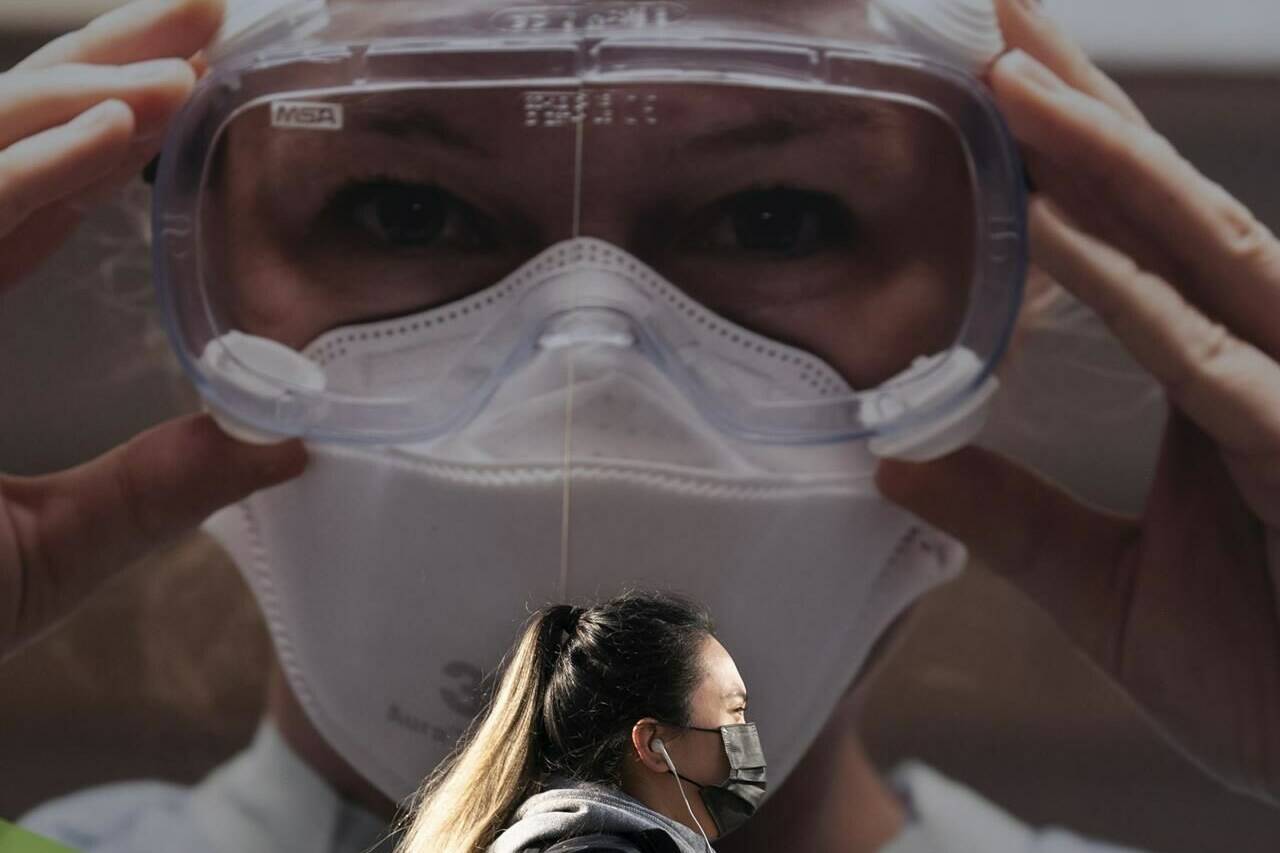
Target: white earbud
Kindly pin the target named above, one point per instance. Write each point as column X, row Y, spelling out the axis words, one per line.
column 661, row 748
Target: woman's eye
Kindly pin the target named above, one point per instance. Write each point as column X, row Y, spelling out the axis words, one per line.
column 409, row 216
column 787, row 222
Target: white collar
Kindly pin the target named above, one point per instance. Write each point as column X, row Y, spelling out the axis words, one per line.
column 268, row 798
column 945, row 817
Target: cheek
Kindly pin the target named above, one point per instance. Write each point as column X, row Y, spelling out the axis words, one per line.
column 918, row 312
column 916, row 308
column 708, row 763
column 702, row 757
column 263, row 292
column 919, row 272
column 270, row 298
column 870, row 334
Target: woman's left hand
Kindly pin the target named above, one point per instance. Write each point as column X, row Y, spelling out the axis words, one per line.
column 1181, row 606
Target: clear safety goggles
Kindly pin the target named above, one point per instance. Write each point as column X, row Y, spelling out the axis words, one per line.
column 810, row 221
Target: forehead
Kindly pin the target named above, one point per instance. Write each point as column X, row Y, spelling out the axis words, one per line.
column 721, row 678
column 478, row 118
column 633, row 129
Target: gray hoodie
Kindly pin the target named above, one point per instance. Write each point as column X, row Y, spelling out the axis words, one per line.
column 571, row 809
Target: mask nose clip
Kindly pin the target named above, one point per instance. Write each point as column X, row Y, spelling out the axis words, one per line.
column 588, row 327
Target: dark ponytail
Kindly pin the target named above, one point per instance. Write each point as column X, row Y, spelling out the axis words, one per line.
column 636, row 656
column 570, row 693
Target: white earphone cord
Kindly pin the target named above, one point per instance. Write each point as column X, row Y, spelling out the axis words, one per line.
column 566, row 508
column 671, row 765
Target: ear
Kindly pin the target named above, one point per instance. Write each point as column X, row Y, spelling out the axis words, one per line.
column 643, row 734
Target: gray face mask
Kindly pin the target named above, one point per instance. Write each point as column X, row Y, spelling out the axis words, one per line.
column 732, row 802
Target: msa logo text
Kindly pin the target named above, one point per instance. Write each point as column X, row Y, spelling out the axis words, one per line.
column 306, row 115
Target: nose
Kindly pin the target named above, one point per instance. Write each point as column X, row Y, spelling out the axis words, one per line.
column 588, row 326
column 593, row 285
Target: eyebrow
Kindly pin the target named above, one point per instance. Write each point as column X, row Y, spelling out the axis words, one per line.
column 737, row 694
column 775, row 128
column 783, row 126
column 414, row 123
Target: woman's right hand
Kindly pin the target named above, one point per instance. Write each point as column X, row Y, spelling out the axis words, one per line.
column 77, row 118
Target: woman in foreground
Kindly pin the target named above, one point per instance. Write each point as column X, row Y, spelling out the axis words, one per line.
column 619, row 727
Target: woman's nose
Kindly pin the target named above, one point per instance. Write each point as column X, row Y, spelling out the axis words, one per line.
column 611, row 226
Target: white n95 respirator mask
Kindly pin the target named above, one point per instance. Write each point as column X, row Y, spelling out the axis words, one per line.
column 579, row 299
column 395, row 578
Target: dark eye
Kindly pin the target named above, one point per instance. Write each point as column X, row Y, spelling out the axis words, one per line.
column 412, row 216
column 787, row 222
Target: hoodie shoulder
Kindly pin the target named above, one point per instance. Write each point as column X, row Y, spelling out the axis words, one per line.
column 650, row 841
